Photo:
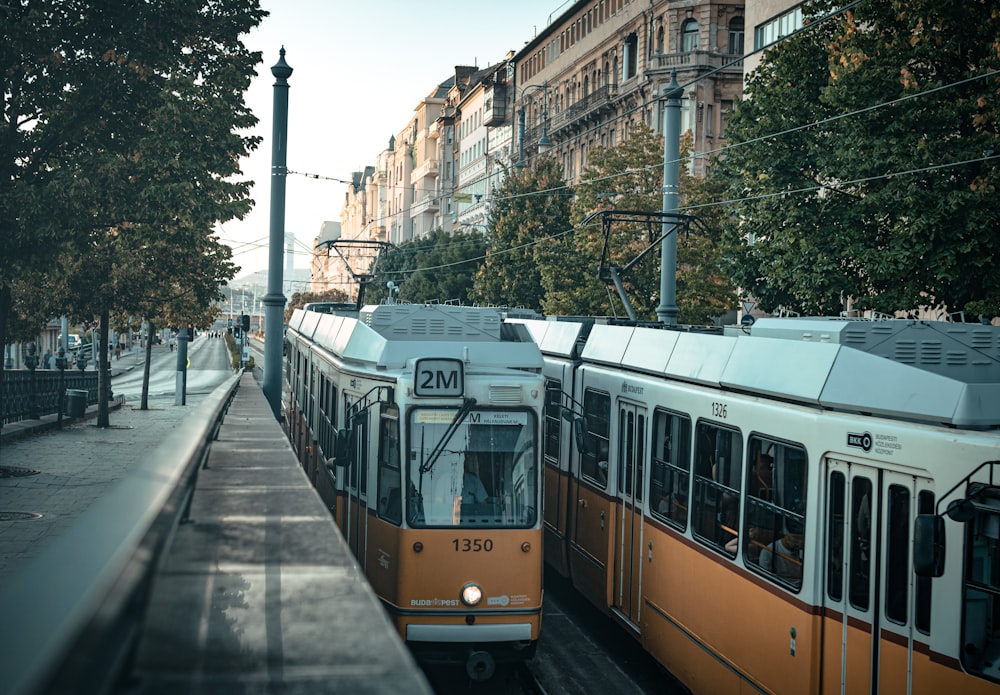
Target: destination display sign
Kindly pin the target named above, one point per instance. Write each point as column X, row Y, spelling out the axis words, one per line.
column 439, row 377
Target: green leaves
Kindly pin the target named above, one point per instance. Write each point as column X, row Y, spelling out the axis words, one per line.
column 120, row 152
column 864, row 162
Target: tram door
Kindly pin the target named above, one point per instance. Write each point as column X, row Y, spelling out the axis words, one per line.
column 356, row 524
column 627, row 593
column 868, row 625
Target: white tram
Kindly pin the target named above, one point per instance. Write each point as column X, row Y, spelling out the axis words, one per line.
column 419, row 426
column 804, row 506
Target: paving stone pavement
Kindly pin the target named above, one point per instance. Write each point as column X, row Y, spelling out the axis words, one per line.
column 50, row 477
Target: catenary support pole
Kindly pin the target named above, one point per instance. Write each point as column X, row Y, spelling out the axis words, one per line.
column 274, row 300
column 667, row 310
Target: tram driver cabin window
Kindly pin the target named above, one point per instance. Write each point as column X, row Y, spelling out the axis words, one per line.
column 390, row 502
column 981, row 600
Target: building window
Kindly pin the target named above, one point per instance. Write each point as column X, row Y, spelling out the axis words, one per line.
column 736, row 36
column 776, row 28
column 689, row 36
column 629, row 68
column 659, row 39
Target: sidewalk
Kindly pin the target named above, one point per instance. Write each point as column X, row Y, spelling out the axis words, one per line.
column 48, row 477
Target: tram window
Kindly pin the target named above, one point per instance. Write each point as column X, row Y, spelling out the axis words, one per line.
column 718, row 480
column 835, row 538
column 671, row 468
column 775, row 508
column 897, row 554
column 922, row 619
column 553, row 420
column 631, row 455
column 478, row 471
column 596, row 414
column 861, row 542
column 309, row 394
column 390, row 505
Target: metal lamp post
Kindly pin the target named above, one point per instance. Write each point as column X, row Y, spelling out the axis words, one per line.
column 544, row 143
column 274, row 300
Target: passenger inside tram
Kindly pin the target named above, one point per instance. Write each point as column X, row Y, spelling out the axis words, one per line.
column 784, row 556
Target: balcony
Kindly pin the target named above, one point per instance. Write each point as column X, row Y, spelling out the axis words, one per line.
column 596, row 103
column 700, row 61
column 429, row 168
column 495, row 105
column 428, row 204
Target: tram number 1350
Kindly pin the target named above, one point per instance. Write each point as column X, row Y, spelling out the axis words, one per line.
column 473, row 545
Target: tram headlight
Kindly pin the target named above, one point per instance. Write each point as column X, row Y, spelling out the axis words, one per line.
column 472, row 594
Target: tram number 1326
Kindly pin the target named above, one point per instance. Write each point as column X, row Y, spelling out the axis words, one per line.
column 473, row 545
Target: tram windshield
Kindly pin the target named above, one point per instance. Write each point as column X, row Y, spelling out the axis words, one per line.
column 472, row 468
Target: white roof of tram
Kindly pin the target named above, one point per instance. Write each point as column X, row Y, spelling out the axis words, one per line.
column 388, row 335
column 928, row 371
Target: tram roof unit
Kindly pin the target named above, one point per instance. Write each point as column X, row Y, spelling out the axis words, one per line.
column 936, row 372
column 834, row 364
column 388, row 335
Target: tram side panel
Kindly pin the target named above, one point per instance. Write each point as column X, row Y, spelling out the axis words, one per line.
column 559, row 502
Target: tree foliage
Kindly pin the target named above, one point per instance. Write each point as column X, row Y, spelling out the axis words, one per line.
column 300, row 299
column 438, row 267
column 530, row 213
column 864, row 162
column 121, row 140
column 629, row 177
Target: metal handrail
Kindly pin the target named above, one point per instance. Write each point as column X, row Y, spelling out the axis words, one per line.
column 73, row 610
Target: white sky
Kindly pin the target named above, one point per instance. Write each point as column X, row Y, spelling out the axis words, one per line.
column 359, row 69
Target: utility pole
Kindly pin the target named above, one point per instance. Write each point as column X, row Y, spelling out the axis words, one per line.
column 274, row 300
column 667, row 310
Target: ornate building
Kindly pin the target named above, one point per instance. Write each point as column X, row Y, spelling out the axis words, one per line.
column 582, row 82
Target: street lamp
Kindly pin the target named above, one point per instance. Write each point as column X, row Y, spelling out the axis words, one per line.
column 544, row 143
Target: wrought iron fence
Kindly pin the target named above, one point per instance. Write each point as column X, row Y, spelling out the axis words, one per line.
column 41, row 391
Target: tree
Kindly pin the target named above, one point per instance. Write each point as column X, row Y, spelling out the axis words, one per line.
column 530, row 211
column 864, row 162
column 438, row 267
column 300, row 299
column 122, row 126
column 629, row 177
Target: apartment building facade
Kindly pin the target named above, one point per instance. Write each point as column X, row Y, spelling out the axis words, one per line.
column 601, row 67
column 582, row 82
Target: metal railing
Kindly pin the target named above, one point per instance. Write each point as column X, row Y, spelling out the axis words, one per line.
column 41, row 391
column 72, row 612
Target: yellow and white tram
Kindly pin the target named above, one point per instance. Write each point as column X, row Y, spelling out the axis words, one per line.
column 419, row 425
column 746, row 504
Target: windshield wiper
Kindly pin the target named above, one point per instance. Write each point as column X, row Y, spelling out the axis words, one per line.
column 462, row 413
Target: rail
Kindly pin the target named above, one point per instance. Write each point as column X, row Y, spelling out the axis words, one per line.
column 72, row 615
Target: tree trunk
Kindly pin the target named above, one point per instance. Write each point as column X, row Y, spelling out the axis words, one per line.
column 103, row 374
column 144, row 402
column 5, row 299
